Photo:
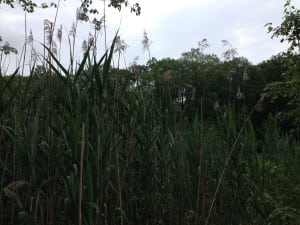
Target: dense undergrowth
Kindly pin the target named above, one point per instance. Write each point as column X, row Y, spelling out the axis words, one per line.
column 85, row 148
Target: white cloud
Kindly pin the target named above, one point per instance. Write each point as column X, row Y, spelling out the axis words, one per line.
column 173, row 26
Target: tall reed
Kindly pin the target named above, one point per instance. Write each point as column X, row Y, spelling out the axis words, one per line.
column 90, row 149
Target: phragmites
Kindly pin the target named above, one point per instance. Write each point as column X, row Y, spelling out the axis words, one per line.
column 136, row 70
column 216, row 105
column 72, row 32
column 29, row 38
column 54, row 48
column 59, row 33
column 259, row 106
column 239, row 94
column 246, row 76
column 91, row 40
column 168, row 75
column 146, row 44
column 84, row 46
column 48, row 29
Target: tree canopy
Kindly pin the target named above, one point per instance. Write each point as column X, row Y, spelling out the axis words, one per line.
column 29, row 5
column 286, row 92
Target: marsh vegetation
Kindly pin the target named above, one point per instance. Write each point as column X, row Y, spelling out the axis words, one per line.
column 194, row 140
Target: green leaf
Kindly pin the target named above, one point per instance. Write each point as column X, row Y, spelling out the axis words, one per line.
column 13, row 196
column 81, row 66
column 56, row 60
column 26, row 219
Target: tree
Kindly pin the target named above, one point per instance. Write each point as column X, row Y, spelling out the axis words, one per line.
column 289, row 29
column 29, row 5
column 5, row 49
column 196, row 54
column 287, row 91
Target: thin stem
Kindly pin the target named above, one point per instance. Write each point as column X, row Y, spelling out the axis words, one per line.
column 24, row 57
column 225, row 166
column 81, row 176
column 119, row 187
column 104, row 24
column 201, row 178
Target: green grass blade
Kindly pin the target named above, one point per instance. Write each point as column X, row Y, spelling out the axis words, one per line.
column 66, row 72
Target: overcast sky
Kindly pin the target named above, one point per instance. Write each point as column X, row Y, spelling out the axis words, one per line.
column 173, row 26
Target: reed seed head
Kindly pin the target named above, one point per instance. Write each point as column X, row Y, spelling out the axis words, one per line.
column 246, row 76
column 168, row 75
column 216, row 105
column 259, row 106
column 239, row 94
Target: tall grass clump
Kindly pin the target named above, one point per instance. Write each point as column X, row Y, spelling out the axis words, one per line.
column 87, row 148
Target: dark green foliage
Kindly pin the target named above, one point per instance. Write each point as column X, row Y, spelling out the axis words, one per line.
column 29, row 5
column 173, row 142
column 141, row 157
column 289, row 29
column 286, row 92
